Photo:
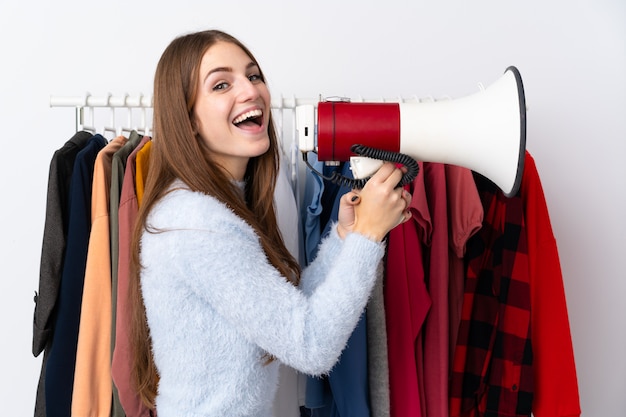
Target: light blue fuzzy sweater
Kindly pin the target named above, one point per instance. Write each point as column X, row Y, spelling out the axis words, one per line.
column 215, row 307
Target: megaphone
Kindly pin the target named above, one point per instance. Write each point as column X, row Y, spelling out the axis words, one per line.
column 484, row 132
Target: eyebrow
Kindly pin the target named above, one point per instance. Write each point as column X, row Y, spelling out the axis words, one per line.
column 228, row 69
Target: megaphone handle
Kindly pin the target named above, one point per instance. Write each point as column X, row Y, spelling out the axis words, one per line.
column 382, row 155
column 411, row 165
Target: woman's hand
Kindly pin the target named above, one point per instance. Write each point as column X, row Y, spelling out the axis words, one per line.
column 377, row 208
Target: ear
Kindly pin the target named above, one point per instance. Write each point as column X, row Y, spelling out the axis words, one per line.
column 194, row 125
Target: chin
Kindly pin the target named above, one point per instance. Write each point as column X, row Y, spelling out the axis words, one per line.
column 264, row 145
column 264, row 149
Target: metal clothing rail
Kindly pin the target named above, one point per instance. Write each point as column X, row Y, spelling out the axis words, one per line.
column 145, row 101
column 89, row 103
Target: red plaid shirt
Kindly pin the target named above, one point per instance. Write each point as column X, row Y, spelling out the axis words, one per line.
column 492, row 368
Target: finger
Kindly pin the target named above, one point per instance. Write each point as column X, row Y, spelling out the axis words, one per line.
column 406, row 196
column 383, row 172
column 395, row 177
column 405, row 217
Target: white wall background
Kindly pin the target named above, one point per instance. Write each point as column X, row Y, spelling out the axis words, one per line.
column 571, row 53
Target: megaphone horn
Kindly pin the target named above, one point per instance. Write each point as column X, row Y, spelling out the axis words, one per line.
column 484, row 132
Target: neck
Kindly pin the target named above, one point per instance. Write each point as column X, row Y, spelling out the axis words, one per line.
column 235, row 168
column 241, row 186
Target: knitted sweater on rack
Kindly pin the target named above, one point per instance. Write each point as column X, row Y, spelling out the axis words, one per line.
column 216, row 307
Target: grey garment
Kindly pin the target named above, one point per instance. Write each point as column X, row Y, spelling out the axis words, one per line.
column 52, row 252
column 377, row 355
column 40, row 400
column 118, row 168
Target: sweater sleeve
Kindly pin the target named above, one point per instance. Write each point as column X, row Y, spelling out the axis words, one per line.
column 219, row 259
column 326, row 256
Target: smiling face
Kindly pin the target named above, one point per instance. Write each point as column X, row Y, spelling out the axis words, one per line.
column 232, row 108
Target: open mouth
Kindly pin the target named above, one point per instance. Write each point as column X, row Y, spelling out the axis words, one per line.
column 253, row 118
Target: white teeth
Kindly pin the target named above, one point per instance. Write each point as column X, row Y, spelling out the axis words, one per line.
column 248, row 115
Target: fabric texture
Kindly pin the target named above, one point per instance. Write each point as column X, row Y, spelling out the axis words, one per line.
column 214, row 317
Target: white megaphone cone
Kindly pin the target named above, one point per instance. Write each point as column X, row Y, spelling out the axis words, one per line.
column 484, row 132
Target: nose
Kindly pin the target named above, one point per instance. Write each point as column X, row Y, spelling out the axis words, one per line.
column 248, row 90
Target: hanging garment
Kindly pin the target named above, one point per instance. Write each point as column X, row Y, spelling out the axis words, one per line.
column 142, row 164
column 377, row 354
column 406, row 304
column 61, row 361
column 344, row 392
column 555, row 381
column 53, row 253
column 465, row 218
column 92, row 393
column 118, row 167
column 121, row 366
column 287, row 401
column 437, row 323
column 492, row 369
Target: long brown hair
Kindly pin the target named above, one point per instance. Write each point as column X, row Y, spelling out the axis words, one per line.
column 178, row 152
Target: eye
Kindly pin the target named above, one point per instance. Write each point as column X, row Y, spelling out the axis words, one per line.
column 255, row 78
column 220, row 86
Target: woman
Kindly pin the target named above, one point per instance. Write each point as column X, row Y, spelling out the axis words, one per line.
column 219, row 301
